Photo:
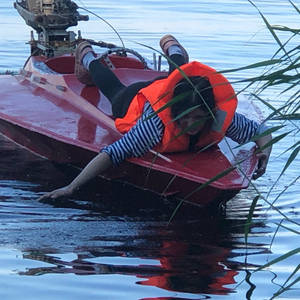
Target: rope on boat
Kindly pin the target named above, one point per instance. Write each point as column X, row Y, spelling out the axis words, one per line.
column 106, row 22
column 121, row 52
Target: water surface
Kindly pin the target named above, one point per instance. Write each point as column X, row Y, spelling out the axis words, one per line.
column 115, row 243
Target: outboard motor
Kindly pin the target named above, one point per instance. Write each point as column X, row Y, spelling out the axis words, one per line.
column 50, row 19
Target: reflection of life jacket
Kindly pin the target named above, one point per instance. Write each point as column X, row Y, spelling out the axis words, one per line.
column 175, row 258
column 161, row 91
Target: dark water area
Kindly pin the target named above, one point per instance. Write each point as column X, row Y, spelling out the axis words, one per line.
column 114, row 242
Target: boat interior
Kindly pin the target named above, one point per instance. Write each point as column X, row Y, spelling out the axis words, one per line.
column 65, row 64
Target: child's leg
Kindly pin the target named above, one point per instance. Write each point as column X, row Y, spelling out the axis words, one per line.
column 178, row 59
column 107, row 82
column 174, row 50
column 117, row 93
column 90, row 69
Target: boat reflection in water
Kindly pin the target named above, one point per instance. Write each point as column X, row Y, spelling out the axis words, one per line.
column 193, row 258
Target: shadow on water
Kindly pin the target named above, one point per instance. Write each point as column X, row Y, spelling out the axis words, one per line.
column 115, row 230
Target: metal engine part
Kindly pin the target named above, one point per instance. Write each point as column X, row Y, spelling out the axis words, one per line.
column 50, row 19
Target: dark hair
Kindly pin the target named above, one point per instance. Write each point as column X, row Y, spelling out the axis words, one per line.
column 191, row 95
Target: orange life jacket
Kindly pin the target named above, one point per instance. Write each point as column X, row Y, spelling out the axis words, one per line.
column 161, row 91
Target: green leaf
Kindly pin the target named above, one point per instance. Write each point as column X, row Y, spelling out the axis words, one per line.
column 274, row 140
column 284, row 28
column 297, row 9
column 275, row 233
column 292, row 274
column 258, row 136
column 269, row 27
column 267, row 132
column 287, row 228
column 278, row 259
column 175, row 211
column 292, row 116
column 290, row 148
column 286, row 288
column 252, row 66
column 269, row 105
column 290, row 160
column 215, row 178
column 170, row 103
column 271, row 30
column 249, row 218
column 187, row 111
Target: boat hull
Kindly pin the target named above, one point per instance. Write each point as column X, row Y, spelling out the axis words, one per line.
column 55, row 116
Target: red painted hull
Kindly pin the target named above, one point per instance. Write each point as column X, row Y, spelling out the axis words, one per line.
column 55, row 116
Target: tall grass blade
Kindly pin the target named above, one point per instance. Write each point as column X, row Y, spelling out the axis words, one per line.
column 269, row 27
column 297, row 9
column 253, row 66
column 293, row 85
column 275, row 233
column 283, row 191
column 258, row 136
column 249, row 218
column 278, row 259
column 290, row 148
column 175, row 211
column 290, row 229
column 286, row 288
column 293, row 116
column 202, row 186
column 284, row 28
column 290, row 160
column 269, row 105
column 215, row 178
column 170, row 103
column 274, row 140
column 292, row 274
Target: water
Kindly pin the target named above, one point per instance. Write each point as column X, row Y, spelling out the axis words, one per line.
column 114, row 243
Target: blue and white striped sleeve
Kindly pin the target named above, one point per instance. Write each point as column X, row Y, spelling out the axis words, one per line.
column 142, row 137
column 241, row 129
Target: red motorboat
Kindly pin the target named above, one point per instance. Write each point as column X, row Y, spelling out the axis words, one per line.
column 48, row 111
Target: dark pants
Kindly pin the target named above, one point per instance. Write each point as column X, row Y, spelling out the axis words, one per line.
column 116, row 92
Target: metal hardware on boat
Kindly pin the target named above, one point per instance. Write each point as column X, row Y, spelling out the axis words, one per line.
column 25, row 73
column 108, row 62
column 38, row 79
column 159, row 63
column 61, row 88
column 154, row 61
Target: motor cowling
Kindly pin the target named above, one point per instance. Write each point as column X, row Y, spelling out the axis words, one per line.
column 50, row 19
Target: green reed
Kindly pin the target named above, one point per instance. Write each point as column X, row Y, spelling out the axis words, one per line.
column 284, row 75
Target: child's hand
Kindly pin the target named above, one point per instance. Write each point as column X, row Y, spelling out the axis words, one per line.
column 58, row 193
column 262, row 165
column 262, row 155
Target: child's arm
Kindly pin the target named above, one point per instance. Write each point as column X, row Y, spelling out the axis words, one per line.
column 96, row 166
column 241, row 130
column 139, row 140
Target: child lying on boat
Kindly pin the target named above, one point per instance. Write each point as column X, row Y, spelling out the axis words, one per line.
column 201, row 114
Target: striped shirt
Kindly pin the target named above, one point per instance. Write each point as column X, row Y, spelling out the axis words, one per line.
column 148, row 132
